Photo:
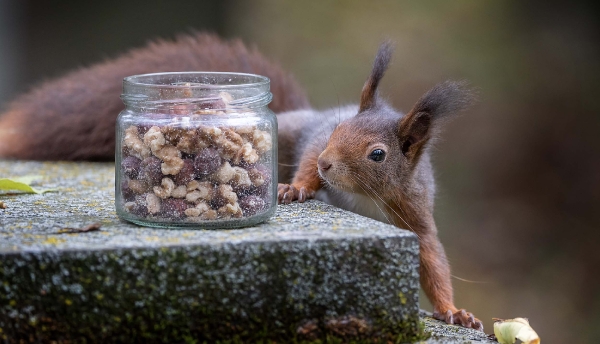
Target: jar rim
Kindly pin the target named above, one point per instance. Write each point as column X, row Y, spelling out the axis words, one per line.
column 134, row 80
column 155, row 90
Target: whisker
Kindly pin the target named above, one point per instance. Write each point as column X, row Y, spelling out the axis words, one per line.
column 402, row 210
column 469, row 281
column 387, row 205
column 339, row 108
column 358, row 182
column 385, row 214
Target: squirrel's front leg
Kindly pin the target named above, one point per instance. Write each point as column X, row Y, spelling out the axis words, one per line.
column 306, row 181
column 435, row 280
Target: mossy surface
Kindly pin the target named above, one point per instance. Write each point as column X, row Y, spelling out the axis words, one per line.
column 352, row 278
column 250, row 291
column 442, row 333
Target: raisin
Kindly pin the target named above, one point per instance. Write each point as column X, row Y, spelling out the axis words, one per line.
column 174, row 208
column 138, row 207
column 251, row 205
column 187, row 173
column 150, row 170
column 128, row 194
column 207, row 161
column 131, row 166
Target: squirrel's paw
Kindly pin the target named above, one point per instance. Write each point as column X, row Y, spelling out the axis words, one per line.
column 460, row 317
column 287, row 193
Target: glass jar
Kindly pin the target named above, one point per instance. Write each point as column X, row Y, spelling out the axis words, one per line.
column 196, row 150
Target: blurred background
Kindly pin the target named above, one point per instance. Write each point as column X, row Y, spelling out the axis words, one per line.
column 518, row 175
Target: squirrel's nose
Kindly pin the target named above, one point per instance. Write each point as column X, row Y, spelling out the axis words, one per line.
column 323, row 164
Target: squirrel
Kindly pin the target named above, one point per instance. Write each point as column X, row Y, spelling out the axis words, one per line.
column 375, row 161
column 367, row 158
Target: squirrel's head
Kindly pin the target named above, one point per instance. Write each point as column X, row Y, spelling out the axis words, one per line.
column 379, row 149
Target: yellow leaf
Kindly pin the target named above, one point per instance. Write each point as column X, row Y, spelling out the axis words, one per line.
column 21, row 184
column 507, row 331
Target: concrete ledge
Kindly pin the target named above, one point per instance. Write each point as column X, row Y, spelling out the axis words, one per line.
column 311, row 272
column 442, row 333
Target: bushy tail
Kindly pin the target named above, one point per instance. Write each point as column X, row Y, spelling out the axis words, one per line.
column 73, row 117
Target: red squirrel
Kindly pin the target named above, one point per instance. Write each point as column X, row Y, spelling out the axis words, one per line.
column 375, row 161
column 366, row 158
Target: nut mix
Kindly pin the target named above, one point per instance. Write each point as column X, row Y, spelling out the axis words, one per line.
column 179, row 171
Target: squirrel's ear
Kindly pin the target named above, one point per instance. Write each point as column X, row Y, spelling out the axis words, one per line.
column 421, row 123
column 414, row 132
column 382, row 60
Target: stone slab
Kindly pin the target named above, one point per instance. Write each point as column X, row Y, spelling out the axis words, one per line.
column 312, row 268
column 312, row 271
column 442, row 333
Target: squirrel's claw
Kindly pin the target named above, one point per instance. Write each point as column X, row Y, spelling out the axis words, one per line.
column 286, row 194
column 460, row 317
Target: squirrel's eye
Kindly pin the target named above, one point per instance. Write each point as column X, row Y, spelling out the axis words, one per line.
column 377, row 155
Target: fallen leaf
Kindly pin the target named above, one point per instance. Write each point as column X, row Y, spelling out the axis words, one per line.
column 507, row 331
column 21, row 184
column 89, row 228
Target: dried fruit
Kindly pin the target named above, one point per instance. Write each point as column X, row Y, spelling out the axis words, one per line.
column 131, row 166
column 251, row 205
column 198, row 210
column 172, row 207
column 230, row 210
column 164, row 190
column 186, row 174
column 240, row 177
column 190, row 142
column 179, row 169
column 260, row 175
column 207, row 161
column 201, row 191
column 138, row 206
column 262, row 141
column 179, row 192
column 132, row 141
column 138, row 186
column 153, row 203
column 223, row 195
column 126, row 191
column 171, row 157
column 224, row 173
column 154, row 139
column 150, row 170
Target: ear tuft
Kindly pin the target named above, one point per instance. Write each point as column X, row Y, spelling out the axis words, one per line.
column 421, row 123
column 380, row 65
column 446, row 98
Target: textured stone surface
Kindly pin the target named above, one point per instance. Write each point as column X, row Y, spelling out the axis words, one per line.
column 441, row 333
column 312, row 266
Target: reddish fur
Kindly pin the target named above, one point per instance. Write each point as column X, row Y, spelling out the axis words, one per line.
column 401, row 185
column 434, row 268
column 307, row 175
column 405, row 207
column 306, row 180
column 73, row 117
column 407, row 200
